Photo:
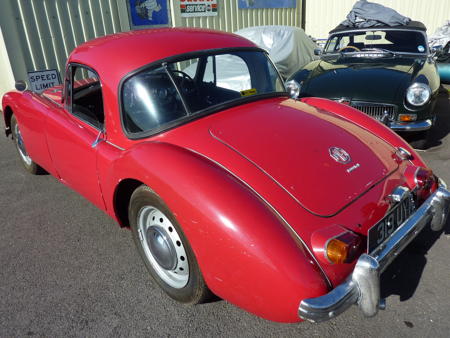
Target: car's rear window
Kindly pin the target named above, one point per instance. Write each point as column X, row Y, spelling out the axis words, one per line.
column 162, row 95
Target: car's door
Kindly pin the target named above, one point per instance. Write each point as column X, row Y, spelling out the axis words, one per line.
column 73, row 131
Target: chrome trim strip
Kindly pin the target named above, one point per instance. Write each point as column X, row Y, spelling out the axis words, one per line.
column 330, row 285
column 50, row 99
column 362, row 287
column 114, row 145
column 411, row 126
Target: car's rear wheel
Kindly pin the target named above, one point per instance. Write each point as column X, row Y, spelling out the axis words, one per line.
column 26, row 160
column 164, row 248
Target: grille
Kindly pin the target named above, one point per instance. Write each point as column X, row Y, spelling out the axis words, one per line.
column 375, row 110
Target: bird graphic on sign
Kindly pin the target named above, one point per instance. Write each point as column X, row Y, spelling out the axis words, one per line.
column 146, row 8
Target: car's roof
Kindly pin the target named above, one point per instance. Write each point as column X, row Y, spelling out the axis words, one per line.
column 412, row 25
column 118, row 54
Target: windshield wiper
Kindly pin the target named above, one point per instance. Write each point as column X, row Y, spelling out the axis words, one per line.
column 387, row 51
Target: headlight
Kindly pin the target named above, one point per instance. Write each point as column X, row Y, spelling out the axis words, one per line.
column 293, row 89
column 418, row 94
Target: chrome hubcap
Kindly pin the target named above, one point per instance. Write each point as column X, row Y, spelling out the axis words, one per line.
column 21, row 146
column 163, row 247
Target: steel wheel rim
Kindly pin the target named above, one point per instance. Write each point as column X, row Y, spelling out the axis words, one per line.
column 21, row 146
column 155, row 231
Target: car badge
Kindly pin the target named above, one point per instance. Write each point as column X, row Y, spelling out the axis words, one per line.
column 339, row 155
column 345, row 101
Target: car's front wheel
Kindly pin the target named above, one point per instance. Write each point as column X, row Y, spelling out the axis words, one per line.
column 164, row 248
column 26, row 160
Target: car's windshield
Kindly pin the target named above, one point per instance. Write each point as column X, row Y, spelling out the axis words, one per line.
column 170, row 92
column 390, row 40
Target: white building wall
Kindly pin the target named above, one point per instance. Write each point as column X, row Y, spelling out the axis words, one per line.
column 323, row 15
column 7, row 77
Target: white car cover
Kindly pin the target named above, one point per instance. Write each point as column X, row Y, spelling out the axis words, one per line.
column 288, row 47
column 441, row 36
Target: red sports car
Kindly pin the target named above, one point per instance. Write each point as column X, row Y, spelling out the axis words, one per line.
column 290, row 209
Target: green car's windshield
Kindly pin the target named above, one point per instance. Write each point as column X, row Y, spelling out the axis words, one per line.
column 174, row 91
column 389, row 40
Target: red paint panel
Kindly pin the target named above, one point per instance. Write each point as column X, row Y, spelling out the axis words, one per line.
column 291, row 145
column 246, row 254
column 70, row 145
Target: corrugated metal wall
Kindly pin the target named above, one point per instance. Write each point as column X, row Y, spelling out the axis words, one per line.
column 40, row 34
column 230, row 18
column 324, row 15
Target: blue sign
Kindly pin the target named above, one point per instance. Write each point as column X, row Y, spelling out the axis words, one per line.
column 148, row 12
column 267, row 3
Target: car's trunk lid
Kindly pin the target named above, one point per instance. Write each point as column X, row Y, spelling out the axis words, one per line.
column 303, row 149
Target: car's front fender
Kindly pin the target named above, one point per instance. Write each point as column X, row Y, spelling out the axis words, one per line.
column 244, row 250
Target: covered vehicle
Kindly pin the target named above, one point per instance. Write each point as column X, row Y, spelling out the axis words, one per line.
column 386, row 72
column 287, row 208
column 289, row 47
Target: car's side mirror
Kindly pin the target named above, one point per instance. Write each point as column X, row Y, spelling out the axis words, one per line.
column 21, row 85
column 318, row 51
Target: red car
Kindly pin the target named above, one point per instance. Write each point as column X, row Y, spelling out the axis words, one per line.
column 290, row 209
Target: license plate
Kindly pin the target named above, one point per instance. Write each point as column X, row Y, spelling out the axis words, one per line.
column 381, row 231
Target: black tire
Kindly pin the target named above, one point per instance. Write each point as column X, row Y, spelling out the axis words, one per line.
column 146, row 203
column 31, row 166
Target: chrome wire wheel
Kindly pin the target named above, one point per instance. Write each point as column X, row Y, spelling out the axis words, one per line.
column 21, row 146
column 163, row 246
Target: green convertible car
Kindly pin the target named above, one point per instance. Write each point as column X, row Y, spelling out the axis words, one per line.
column 386, row 72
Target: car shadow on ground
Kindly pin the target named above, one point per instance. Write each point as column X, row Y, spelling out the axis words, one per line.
column 442, row 125
column 403, row 276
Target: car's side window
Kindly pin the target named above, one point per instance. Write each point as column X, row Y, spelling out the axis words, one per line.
column 151, row 100
column 85, row 100
column 332, row 44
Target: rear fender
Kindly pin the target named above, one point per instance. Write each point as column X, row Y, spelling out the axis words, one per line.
column 365, row 122
column 243, row 249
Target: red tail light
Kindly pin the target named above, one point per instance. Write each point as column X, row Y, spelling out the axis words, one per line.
column 426, row 183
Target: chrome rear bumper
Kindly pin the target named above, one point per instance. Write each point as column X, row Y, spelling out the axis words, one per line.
column 363, row 286
column 411, row 126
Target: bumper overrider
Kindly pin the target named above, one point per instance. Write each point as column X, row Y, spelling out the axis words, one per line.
column 362, row 287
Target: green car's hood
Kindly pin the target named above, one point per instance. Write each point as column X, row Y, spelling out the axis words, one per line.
column 361, row 78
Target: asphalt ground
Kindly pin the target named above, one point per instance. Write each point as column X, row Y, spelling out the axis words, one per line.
column 68, row 270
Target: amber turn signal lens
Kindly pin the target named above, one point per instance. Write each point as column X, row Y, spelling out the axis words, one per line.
column 344, row 248
column 407, row 117
column 337, row 251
